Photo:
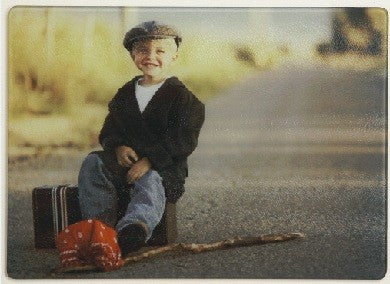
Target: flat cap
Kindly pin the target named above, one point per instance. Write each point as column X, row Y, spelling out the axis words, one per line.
column 152, row 30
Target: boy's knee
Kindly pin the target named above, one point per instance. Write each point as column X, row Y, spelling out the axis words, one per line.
column 151, row 177
column 91, row 160
column 91, row 167
column 154, row 174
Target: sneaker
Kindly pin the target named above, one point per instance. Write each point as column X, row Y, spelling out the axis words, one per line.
column 132, row 237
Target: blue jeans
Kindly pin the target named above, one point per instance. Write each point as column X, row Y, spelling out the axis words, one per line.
column 98, row 197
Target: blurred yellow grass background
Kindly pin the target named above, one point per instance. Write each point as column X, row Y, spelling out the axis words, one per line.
column 64, row 70
column 65, row 64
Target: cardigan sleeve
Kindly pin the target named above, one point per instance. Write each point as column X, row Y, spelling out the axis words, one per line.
column 110, row 136
column 181, row 137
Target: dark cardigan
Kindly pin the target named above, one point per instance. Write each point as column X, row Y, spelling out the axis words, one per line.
column 166, row 132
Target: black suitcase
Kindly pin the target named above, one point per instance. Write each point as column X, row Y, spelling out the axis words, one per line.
column 56, row 207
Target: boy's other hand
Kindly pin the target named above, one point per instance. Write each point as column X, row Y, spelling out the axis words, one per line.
column 138, row 170
column 126, row 156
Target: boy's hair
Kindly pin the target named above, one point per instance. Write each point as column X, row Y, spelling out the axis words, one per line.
column 150, row 30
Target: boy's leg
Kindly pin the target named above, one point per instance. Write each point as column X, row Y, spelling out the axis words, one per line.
column 147, row 204
column 97, row 194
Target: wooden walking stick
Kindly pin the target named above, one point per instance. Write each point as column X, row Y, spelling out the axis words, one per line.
column 198, row 248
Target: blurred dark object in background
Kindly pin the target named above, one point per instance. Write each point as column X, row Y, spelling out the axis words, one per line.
column 357, row 30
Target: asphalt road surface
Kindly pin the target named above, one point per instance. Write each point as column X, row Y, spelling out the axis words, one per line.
column 297, row 149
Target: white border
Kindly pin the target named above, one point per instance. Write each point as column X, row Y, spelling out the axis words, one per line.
column 6, row 5
column 201, row 3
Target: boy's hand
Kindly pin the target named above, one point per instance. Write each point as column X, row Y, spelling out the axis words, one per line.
column 138, row 170
column 125, row 155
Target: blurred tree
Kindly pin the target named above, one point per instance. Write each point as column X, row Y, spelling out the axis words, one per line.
column 49, row 35
column 128, row 19
column 122, row 20
column 339, row 40
column 358, row 30
column 357, row 17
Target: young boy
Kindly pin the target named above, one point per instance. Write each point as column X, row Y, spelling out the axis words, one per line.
column 152, row 127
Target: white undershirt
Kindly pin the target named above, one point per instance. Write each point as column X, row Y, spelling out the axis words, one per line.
column 145, row 93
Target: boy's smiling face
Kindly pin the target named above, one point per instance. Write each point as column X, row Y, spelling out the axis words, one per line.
column 154, row 57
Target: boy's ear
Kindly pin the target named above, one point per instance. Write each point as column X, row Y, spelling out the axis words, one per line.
column 132, row 55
